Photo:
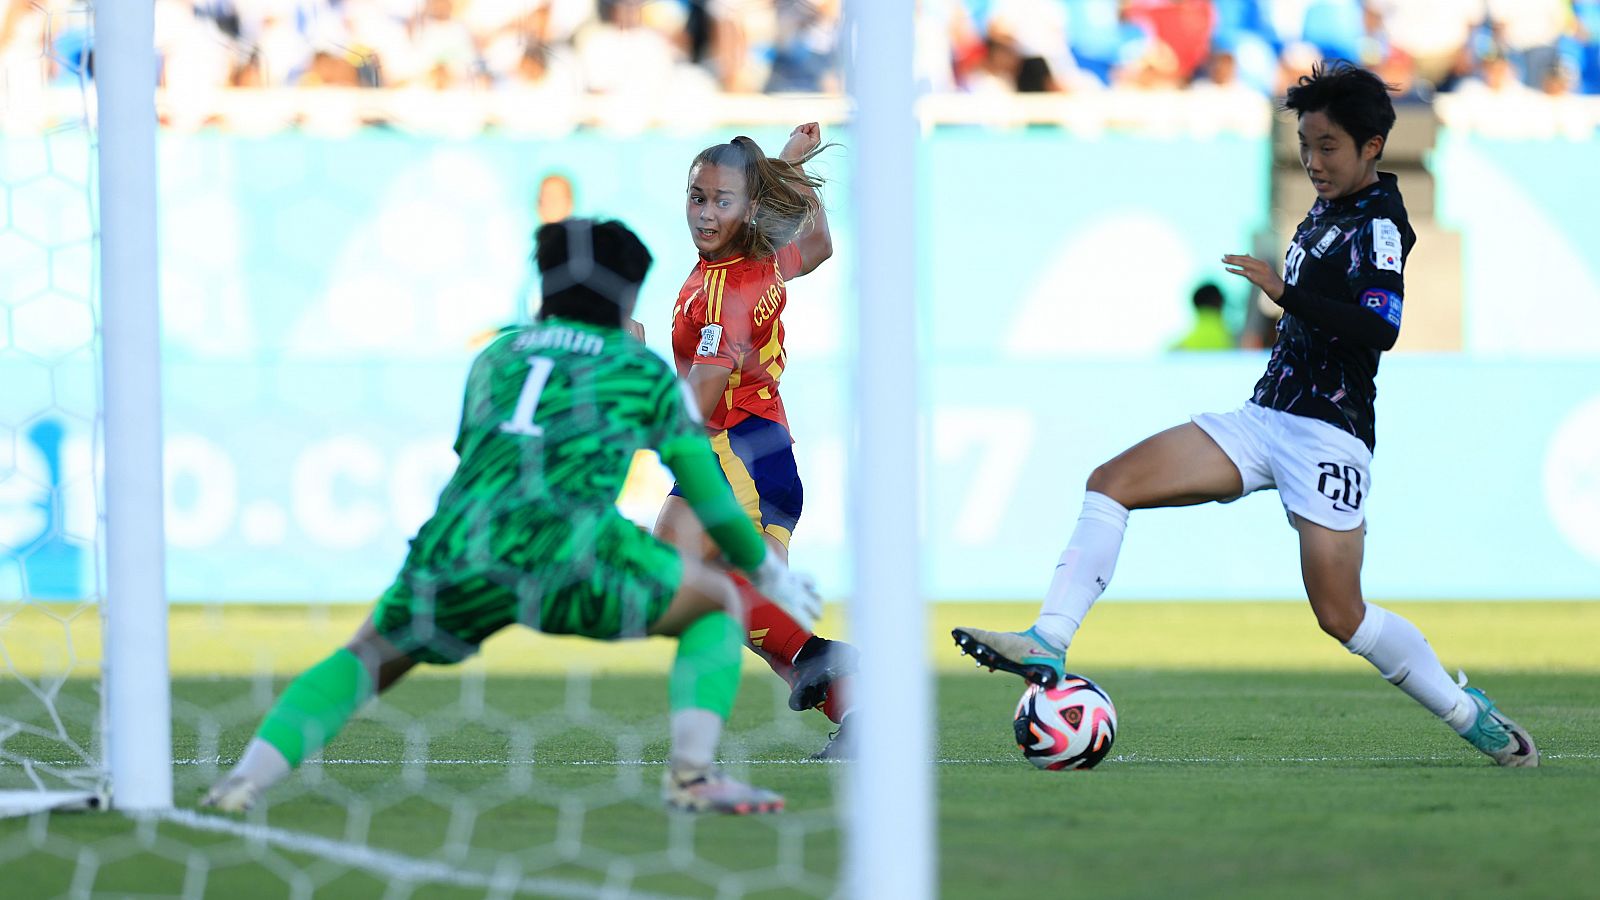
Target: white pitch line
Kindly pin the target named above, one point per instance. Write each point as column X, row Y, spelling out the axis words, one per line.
column 1134, row 759
column 1202, row 760
column 392, row 866
column 1131, row 759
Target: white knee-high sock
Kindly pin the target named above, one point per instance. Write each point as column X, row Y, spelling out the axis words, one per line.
column 695, row 733
column 262, row 763
column 1402, row 655
column 1084, row 570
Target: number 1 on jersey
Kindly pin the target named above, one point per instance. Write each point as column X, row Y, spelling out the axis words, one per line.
column 521, row 421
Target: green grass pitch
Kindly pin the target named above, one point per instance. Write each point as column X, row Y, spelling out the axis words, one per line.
column 1223, row 783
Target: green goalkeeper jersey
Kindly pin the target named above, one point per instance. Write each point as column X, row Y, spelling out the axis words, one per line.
column 552, row 418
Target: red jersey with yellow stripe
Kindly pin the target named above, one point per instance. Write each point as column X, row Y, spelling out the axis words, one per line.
column 729, row 314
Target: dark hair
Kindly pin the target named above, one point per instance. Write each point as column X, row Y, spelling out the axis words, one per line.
column 1207, row 296
column 782, row 194
column 589, row 269
column 1355, row 99
column 1033, row 76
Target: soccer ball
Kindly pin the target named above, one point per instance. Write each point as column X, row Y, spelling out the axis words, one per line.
column 1069, row 726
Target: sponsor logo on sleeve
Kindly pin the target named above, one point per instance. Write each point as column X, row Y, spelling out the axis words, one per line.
column 1386, row 245
column 710, row 341
column 1384, row 303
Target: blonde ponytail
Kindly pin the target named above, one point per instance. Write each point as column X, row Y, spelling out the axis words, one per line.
column 783, row 197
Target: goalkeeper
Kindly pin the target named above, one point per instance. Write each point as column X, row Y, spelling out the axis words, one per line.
column 527, row 531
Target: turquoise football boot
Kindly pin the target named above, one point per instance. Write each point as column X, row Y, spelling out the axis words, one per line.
column 1024, row 653
column 1501, row 739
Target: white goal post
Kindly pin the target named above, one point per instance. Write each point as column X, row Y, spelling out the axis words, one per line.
column 890, row 806
column 889, row 816
column 138, row 702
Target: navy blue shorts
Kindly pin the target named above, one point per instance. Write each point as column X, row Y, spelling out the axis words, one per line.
column 757, row 457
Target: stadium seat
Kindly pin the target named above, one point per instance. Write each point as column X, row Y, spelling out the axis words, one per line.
column 1335, row 27
column 1587, row 56
column 1095, row 35
column 1256, row 58
column 1235, row 17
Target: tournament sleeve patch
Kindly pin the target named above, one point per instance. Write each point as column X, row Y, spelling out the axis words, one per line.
column 1384, row 303
column 710, row 341
column 1386, row 245
column 1328, row 237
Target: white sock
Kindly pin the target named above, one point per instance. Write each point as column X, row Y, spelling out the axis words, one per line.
column 1084, row 570
column 1402, row 655
column 261, row 764
column 695, row 733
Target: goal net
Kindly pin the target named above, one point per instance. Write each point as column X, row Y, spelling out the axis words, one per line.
column 325, row 285
column 50, row 532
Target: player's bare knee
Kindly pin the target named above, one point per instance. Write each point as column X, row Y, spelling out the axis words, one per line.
column 1100, row 479
column 720, row 593
column 717, row 595
column 384, row 662
column 733, row 603
column 1339, row 623
column 1108, row 478
column 702, row 591
column 667, row 528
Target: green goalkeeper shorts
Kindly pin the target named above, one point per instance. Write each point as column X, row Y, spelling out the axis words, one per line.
column 599, row 576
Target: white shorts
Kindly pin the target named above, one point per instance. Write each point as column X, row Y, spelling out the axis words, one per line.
column 1322, row 473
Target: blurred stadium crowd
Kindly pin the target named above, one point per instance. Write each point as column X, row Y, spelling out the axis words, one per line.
column 545, row 67
column 752, row 46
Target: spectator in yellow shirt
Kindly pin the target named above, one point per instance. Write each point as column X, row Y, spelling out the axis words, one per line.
column 1209, row 332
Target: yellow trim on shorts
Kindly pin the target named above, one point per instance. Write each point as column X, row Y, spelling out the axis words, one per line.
column 744, row 486
column 778, row 531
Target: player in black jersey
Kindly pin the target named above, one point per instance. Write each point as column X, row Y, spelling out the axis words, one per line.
column 1307, row 431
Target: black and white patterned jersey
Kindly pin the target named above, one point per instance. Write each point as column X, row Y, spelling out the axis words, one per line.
column 1345, row 287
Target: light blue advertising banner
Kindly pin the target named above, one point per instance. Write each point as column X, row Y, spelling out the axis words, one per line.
column 1526, row 211
column 306, row 484
column 322, row 300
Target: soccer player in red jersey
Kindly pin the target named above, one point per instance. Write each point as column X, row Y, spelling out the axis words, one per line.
column 757, row 223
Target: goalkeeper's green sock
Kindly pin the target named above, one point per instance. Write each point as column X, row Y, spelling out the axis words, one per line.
column 702, row 688
column 311, row 711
